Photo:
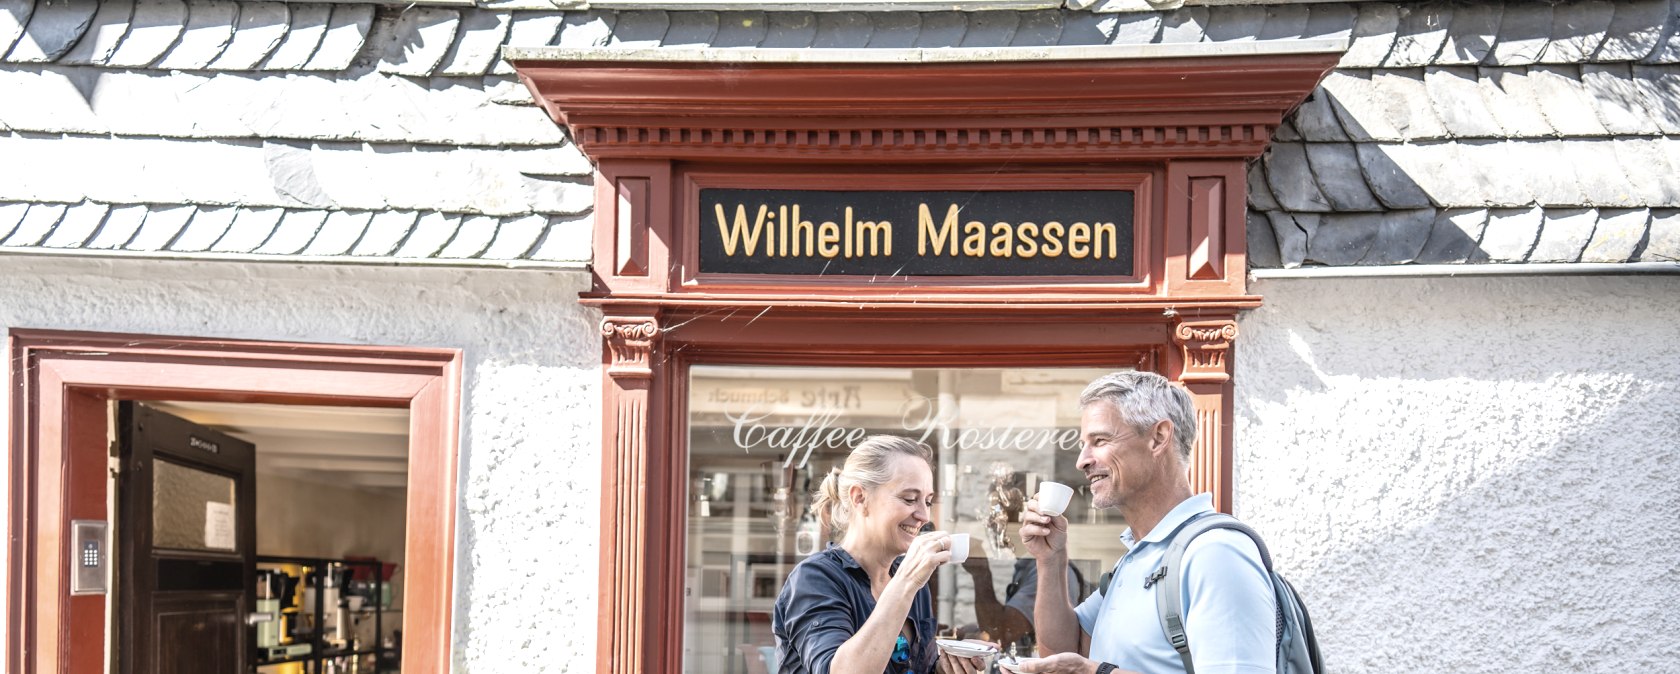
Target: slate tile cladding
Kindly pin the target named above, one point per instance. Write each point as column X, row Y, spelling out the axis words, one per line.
column 1451, row 133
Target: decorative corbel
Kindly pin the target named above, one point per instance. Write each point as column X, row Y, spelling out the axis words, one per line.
column 630, row 341
column 1206, row 345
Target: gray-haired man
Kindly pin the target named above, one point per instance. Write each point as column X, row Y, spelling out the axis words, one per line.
column 1136, row 430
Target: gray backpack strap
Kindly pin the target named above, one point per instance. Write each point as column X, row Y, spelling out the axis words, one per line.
column 1170, row 577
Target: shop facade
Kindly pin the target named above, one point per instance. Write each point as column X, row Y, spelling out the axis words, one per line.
column 650, row 367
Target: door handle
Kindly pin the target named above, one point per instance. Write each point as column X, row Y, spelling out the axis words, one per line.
column 259, row 617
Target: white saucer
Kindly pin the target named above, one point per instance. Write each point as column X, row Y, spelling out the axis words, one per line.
column 964, row 649
column 1005, row 665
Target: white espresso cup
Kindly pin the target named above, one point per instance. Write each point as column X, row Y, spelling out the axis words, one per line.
column 1053, row 497
column 959, row 548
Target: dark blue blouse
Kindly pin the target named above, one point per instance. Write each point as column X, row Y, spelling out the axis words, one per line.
column 825, row 601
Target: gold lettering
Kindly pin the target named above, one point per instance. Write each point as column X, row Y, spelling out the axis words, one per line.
column 1027, row 247
column 1106, row 227
column 782, row 239
column 805, row 227
column 732, row 235
column 828, row 235
column 974, row 239
column 924, row 229
column 874, row 233
column 1052, row 239
column 846, row 233
column 1003, row 240
column 1079, row 239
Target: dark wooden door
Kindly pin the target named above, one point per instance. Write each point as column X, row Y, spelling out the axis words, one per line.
column 186, row 541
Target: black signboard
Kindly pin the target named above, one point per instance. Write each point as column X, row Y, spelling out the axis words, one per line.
column 896, row 233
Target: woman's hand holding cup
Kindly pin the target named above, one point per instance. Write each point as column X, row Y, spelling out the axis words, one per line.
column 927, row 552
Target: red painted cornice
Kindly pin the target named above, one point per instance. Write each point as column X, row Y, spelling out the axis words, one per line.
column 948, row 110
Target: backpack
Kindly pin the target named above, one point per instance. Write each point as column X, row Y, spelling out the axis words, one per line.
column 1297, row 648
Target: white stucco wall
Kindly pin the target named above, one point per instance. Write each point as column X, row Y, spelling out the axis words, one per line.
column 1470, row 475
column 530, row 472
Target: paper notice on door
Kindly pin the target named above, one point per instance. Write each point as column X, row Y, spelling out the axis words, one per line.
column 218, row 526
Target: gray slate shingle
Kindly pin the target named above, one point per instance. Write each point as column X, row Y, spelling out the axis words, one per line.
column 1420, row 36
column 303, row 37
column 1286, row 22
column 79, row 223
column 1454, row 236
column 1617, row 235
column 741, row 29
column 340, row 231
column 842, row 30
column 1042, row 28
column 1635, row 27
column 1186, row 24
column 261, row 27
column 895, row 31
column 102, row 38
column 477, row 43
column 121, row 223
column 206, row 227
column 1567, row 107
column 156, row 25
column 1511, row 233
column 1524, row 31
column 1471, row 35
column 1662, row 241
column 1335, row 168
column 790, row 30
column 1578, row 30
column 643, row 29
column 416, row 41
column 1235, row 23
column 208, row 31
column 347, row 31
column 1290, row 175
column 1457, row 98
column 1372, row 36
column 1564, row 234
column 1263, row 250
column 37, row 222
column 692, row 29
column 161, row 226
column 14, row 17
column 1141, row 28
column 385, row 232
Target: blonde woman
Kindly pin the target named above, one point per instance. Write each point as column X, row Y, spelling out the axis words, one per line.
column 862, row 606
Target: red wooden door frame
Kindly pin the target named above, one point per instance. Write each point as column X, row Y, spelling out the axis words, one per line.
column 60, row 382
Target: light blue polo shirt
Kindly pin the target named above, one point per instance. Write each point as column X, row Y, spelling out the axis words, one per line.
column 1229, row 609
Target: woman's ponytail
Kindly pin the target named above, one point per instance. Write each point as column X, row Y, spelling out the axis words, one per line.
column 826, row 504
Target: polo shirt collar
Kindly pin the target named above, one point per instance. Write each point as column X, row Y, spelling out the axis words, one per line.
column 1181, row 513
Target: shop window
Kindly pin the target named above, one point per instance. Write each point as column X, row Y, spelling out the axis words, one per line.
column 762, row 438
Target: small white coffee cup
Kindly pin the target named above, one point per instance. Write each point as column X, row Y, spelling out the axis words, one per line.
column 959, row 548
column 1053, row 497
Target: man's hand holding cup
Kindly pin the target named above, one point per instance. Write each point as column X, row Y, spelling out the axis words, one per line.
column 1043, row 528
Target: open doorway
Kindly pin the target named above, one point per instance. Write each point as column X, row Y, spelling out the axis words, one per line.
column 324, row 540
column 62, row 619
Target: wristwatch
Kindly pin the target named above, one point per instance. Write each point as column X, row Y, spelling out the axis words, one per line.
column 1105, row 668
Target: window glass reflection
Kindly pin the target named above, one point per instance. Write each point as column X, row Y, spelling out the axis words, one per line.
column 761, row 439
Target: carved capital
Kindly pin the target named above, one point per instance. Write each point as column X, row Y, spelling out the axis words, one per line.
column 1205, row 345
column 630, row 341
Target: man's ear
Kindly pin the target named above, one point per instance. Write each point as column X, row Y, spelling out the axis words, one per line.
column 1161, row 438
